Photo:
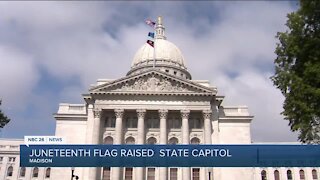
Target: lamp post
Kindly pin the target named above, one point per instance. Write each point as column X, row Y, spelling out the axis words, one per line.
column 73, row 175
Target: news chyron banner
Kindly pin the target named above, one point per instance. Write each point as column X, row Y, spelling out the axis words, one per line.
column 53, row 153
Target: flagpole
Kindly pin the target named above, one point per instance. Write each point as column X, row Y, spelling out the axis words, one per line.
column 153, row 35
column 154, row 46
column 154, row 53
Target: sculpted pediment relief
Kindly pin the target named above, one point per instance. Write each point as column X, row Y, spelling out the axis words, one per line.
column 152, row 82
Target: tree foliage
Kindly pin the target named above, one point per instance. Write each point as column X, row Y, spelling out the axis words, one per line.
column 3, row 119
column 297, row 70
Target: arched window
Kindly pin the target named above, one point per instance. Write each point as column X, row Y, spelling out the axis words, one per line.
column 48, row 172
column 195, row 140
column 301, row 174
column 108, row 140
column 151, row 174
column 173, row 140
column 152, row 140
column 130, row 140
column 106, row 173
column 128, row 174
column 10, row 171
column 276, row 175
column 289, row 175
column 263, row 175
column 22, row 172
column 173, row 174
column 314, row 174
column 196, row 174
column 35, row 172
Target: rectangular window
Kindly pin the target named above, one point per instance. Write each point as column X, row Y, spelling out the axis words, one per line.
column 156, row 123
column 196, row 174
column 177, row 123
column 12, row 159
column 128, row 174
column 173, row 174
column 174, row 123
column 131, row 122
column 135, row 122
column 153, row 122
column 106, row 173
column 128, row 123
column 195, row 122
column 110, row 122
column 151, row 174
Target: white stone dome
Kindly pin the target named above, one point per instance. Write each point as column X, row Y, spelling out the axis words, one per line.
column 166, row 54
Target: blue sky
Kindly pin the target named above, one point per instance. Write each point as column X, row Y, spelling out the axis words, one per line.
column 50, row 52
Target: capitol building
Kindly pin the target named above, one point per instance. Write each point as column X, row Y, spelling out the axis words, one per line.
column 157, row 102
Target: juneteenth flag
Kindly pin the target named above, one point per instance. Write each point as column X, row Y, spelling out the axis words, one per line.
column 151, row 43
column 150, row 34
column 150, row 23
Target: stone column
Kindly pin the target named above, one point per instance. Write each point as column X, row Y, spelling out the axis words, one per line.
column 207, row 126
column 116, row 172
column 94, row 172
column 141, row 134
column 89, row 130
column 207, row 133
column 96, row 139
column 140, row 139
column 90, row 124
column 185, row 139
column 163, row 113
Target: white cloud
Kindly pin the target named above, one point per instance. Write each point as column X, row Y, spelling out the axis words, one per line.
column 242, row 44
column 18, row 75
column 264, row 101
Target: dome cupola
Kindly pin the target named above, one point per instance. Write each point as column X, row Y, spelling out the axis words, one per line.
column 164, row 56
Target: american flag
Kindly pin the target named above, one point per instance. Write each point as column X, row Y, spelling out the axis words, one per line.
column 150, row 23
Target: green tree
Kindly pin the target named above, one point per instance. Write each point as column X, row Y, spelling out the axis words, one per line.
column 297, row 70
column 3, row 119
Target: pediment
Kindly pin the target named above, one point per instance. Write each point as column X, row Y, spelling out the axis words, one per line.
column 152, row 82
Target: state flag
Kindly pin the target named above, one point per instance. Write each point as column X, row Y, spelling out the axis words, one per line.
column 150, row 34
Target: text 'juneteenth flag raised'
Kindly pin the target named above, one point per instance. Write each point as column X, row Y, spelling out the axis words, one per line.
column 170, row 155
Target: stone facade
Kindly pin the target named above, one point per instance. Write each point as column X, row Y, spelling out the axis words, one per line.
column 10, row 167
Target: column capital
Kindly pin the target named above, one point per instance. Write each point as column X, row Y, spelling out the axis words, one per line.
column 97, row 113
column 163, row 113
column 185, row 113
column 141, row 113
column 90, row 106
column 206, row 114
column 119, row 113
